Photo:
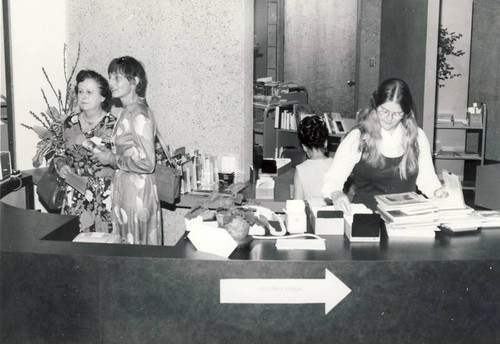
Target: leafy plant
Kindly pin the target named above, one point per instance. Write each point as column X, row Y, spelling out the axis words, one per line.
column 446, row 47
column 50, row 130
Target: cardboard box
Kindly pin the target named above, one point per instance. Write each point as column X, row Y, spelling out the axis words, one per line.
column 296, row 217
column 327, row 220
column 264, row 189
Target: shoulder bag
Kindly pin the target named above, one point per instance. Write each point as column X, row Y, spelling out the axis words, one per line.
column 168, row 177
column 51, row 189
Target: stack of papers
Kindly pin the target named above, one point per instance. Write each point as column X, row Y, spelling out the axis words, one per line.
column 473, row 221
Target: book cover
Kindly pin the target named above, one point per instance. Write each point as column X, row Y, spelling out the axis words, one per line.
column 400, row 198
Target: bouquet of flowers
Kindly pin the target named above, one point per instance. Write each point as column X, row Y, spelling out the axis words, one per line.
column 50, row 130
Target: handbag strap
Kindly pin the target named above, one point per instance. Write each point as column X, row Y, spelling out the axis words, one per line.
column 164, row 147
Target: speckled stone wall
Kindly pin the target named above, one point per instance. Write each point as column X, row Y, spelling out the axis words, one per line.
column 198, row 57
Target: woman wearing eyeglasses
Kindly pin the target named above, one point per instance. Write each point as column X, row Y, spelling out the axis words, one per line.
column 386, row 152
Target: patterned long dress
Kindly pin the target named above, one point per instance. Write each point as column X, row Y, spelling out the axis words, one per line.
column 94, row 207
column 136, row 206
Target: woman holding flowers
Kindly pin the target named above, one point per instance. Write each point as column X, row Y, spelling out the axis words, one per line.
column 93, row 125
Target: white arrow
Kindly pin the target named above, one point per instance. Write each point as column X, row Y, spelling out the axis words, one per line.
column 329, row 291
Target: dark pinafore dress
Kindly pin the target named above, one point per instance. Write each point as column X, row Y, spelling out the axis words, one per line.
column 371, row 181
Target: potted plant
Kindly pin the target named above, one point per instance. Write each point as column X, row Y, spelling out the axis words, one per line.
column 50, row 128
column 230, row 214
column 446, row 48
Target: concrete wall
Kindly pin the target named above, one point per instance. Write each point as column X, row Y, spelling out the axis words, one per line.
column 198, row 59
column 484, row 85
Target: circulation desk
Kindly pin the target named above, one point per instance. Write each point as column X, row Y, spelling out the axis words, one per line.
column 443, row 290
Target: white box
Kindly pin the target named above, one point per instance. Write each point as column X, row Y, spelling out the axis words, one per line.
column 351, row 221
column 98, row 237
column 296, row 217
column 264, row 189
column 327, row 220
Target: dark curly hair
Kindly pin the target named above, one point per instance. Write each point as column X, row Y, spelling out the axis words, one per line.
column 130, row 68
column 101, row 82
column 313, row 132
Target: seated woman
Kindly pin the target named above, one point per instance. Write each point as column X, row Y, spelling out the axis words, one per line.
column 308, row 178
column 386, row 152
column 92, row 123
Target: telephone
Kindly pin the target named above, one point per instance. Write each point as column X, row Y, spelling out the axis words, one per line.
column 269, row 219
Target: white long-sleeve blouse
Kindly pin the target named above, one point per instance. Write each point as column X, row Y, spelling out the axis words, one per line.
column 348, row 155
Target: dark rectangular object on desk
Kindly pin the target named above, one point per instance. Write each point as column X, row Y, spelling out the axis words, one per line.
column 366, row 225
column 269, row 166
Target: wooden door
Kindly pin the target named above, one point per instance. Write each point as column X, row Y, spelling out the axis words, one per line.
column 320, row 52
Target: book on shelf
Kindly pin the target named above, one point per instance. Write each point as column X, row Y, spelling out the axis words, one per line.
column 456, row 154
column 334, row 123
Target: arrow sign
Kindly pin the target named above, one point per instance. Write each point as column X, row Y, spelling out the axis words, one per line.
column 329, row 291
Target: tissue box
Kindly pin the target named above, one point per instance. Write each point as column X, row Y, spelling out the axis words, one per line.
column 264, row 188
column 296, row 218
column 363, row 228
column 327, row 220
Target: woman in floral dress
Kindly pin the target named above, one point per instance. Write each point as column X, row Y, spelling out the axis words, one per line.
column 93, row 124
column 136, row 206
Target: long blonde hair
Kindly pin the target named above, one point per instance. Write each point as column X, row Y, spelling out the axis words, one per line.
column 395, row 90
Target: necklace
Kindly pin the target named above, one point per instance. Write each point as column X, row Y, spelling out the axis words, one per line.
column 94, row 121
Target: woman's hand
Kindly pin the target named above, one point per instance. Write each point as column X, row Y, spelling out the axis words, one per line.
column 341, row 202
column 105, row 157
column 441, row 192
column 63, row 171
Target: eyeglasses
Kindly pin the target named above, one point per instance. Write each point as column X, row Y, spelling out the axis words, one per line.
column 386, row 113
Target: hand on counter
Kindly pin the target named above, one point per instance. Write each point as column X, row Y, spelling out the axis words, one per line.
column 341, row 201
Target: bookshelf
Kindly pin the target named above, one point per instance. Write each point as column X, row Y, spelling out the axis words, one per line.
column 265, row 131
column 459, row 149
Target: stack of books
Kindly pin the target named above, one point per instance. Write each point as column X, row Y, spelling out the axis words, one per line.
column 444, row 118
column 472, row 221
column 408, row 214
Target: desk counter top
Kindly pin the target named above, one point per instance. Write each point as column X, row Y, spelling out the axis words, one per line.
column 442, row 290
column 31, row 231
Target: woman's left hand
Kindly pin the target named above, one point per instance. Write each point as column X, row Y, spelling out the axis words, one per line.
column 103, row 156
column 441, row 192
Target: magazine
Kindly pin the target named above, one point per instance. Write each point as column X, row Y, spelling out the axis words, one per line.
column 400, row 198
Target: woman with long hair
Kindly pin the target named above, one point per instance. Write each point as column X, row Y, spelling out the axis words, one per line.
column 386, row 152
